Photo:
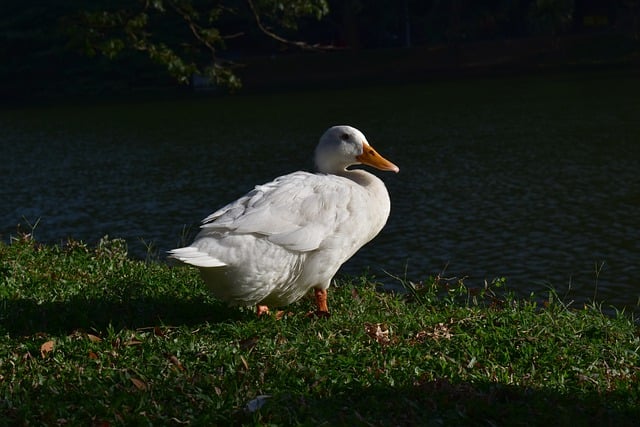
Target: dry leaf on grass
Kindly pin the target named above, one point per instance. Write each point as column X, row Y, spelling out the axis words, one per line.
column 94, row 338
column 139, row 384
column 46, row 348
column 174, row 360
column 439, row 331
column 244, row 362
column 379, row 332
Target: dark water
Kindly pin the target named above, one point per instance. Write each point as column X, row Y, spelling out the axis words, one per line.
column 536, row 179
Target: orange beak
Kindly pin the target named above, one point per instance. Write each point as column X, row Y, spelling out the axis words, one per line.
column 371, row 157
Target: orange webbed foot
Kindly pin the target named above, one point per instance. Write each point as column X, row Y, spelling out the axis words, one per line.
column 321, row 302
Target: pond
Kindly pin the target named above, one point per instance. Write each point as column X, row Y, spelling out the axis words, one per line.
column 535, row 179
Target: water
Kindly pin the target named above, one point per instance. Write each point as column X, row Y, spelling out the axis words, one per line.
column 530, row 178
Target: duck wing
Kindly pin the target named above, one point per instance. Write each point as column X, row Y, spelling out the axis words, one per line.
column 296, row 211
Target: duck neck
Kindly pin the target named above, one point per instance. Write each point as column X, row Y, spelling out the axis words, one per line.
column 361, row 177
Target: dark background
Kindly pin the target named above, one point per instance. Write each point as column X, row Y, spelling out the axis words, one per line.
column 376, row 41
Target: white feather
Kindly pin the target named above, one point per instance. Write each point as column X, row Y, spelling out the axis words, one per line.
column 192, row 255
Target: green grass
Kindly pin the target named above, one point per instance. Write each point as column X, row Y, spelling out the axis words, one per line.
column 89, row 336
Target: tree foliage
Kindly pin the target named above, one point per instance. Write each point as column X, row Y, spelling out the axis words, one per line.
column 188, row 37
column 42, row 44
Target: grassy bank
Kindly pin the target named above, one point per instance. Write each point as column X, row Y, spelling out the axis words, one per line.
column 89, row 336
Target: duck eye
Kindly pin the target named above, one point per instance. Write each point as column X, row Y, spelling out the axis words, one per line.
column 344, row 136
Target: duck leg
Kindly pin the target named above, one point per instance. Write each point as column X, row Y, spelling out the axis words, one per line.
column 321, row 302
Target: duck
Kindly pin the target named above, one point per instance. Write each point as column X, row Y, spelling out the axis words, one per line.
column 290, row 236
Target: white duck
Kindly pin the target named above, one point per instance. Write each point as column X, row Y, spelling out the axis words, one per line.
column 283, row 238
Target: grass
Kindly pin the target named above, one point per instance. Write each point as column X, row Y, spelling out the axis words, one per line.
column 90, row 337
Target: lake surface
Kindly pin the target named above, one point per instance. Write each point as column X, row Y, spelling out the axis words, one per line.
column 536, row 179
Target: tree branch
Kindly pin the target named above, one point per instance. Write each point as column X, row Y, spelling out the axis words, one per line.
column 296, row 43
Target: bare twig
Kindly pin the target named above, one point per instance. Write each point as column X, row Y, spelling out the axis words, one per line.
column 296, row 43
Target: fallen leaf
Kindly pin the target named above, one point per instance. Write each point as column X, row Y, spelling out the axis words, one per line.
column 94, row 338
column 46, row 348
column 441, row 331
column 378, row 332
column 174, row 360
column 133, row 341
column 158, row 332
column 139, row 384
column 92, row 355
column 244, row 362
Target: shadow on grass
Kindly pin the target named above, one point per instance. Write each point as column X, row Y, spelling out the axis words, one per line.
column 27, row 317
column 442, row 402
